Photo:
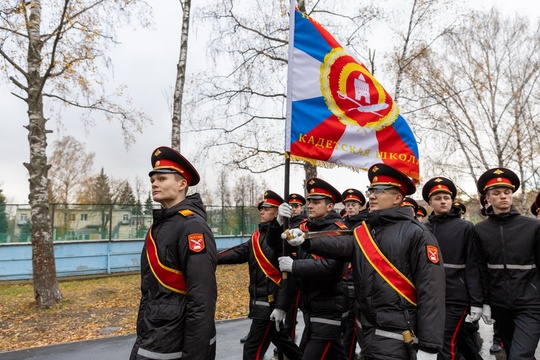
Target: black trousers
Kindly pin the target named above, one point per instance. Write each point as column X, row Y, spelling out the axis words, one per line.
column 350, row 334
column 468, row 344
column 261, row 333
column 455, row 316
column 519, row 330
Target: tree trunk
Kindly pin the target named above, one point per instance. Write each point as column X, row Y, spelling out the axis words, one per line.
column 180, row 78
column 46, row 290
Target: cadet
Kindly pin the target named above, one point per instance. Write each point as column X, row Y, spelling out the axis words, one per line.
column 410, row 202
column 421, row 214
column 324, row 292
column 456, row 240
column 399, row 275
column 178, row 263
column 297, row 202
column 509, row 252
column 353, row 200
column 268, row 300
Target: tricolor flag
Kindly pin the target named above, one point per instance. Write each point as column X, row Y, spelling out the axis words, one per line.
column 337, row 111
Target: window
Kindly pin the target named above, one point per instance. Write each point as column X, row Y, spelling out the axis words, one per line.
column 71, row 217
column 23, row 218
column 84, row 217
column 125, row 217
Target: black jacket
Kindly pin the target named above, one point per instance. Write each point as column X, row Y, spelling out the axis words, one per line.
column 168, row 321
column 456, row 240
column 324, row 293
column 403, row 240
column 509, row 256
column 265, row 295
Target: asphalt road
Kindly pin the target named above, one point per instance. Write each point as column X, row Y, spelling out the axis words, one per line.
column 228, row 346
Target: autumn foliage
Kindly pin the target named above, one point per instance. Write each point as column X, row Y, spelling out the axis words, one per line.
column 97, row 308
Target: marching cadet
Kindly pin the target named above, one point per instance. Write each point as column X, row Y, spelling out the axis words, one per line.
column 456, row 240
column 297, row 202
column 324, row 299
column 353, row 200
column 509, row 252
column 178, row 263
column 411, row 203
column 268, row 300
column 421, row 214
column 399, row 274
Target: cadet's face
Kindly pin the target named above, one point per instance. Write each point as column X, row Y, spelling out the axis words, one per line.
column 317, row 208
column 167, row 189
column 500, row 199
column 421, row 218
column 296, row 210
column 441, row 203
column 384, row 200
column 268, row 213
column 352, row 207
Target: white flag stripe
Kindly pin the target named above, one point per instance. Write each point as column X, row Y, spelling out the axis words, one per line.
column 306, row 77
column 347, row 150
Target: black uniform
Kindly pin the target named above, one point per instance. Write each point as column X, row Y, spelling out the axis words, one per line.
column 384, row 313
column 170, row 324
column 324, row 296
column 350, row 332
column 463, row 283
column 265, row 295
column 509, row 254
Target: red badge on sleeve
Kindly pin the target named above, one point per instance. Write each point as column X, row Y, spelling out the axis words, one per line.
column 196, row 242
column 432, row 253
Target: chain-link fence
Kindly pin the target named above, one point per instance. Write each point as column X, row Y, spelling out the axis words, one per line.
column 113, row 221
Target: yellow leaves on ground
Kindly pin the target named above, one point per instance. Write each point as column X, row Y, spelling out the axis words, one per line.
column 93, row 305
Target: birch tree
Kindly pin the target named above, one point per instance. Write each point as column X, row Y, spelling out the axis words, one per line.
column 180, row 76
column 53, row 52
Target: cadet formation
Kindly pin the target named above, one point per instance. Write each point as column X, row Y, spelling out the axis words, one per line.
column 387, row 277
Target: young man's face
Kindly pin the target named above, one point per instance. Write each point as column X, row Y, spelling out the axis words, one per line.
column 318, row 208
column 441, row 203
column 500, row 199
column 268, row 213
column 384, row 199
column 352, row 207
column 168, row 189
column 296, row 209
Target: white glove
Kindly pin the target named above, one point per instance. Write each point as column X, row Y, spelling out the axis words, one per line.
column 295, row 237
column 284, row 211
column 476, row 314
column 422, row 355
column 278, row 316
column 486, row 315
column 285, row 263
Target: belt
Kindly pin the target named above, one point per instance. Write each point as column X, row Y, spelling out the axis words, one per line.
column 454, row 266
column 262, row 303
column 511, row 266
column 387, row 334
column 166, row 356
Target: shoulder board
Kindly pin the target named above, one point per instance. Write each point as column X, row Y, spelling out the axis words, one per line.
column 186, row 212
column 341, row 225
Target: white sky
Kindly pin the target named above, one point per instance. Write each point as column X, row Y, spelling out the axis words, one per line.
column 146, row 63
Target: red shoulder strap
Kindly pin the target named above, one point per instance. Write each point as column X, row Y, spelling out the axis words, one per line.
column 266, row 266
column 383, row 266
column 170, row 278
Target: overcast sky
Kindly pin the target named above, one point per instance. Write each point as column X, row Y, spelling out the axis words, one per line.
column 146, row 62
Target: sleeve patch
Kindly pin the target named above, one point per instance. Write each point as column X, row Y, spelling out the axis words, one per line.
column 196, row 242
column 432, row 253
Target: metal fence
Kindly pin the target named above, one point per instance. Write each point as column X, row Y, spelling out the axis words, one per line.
column 113, row 221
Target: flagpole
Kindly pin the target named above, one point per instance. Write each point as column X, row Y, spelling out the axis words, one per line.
column 292, row 7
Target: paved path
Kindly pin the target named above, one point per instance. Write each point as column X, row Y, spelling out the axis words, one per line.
column 228, row 346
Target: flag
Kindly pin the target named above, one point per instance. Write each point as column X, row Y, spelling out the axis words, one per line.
column 337, row 112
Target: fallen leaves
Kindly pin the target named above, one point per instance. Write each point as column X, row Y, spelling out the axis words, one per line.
column 90, row 306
